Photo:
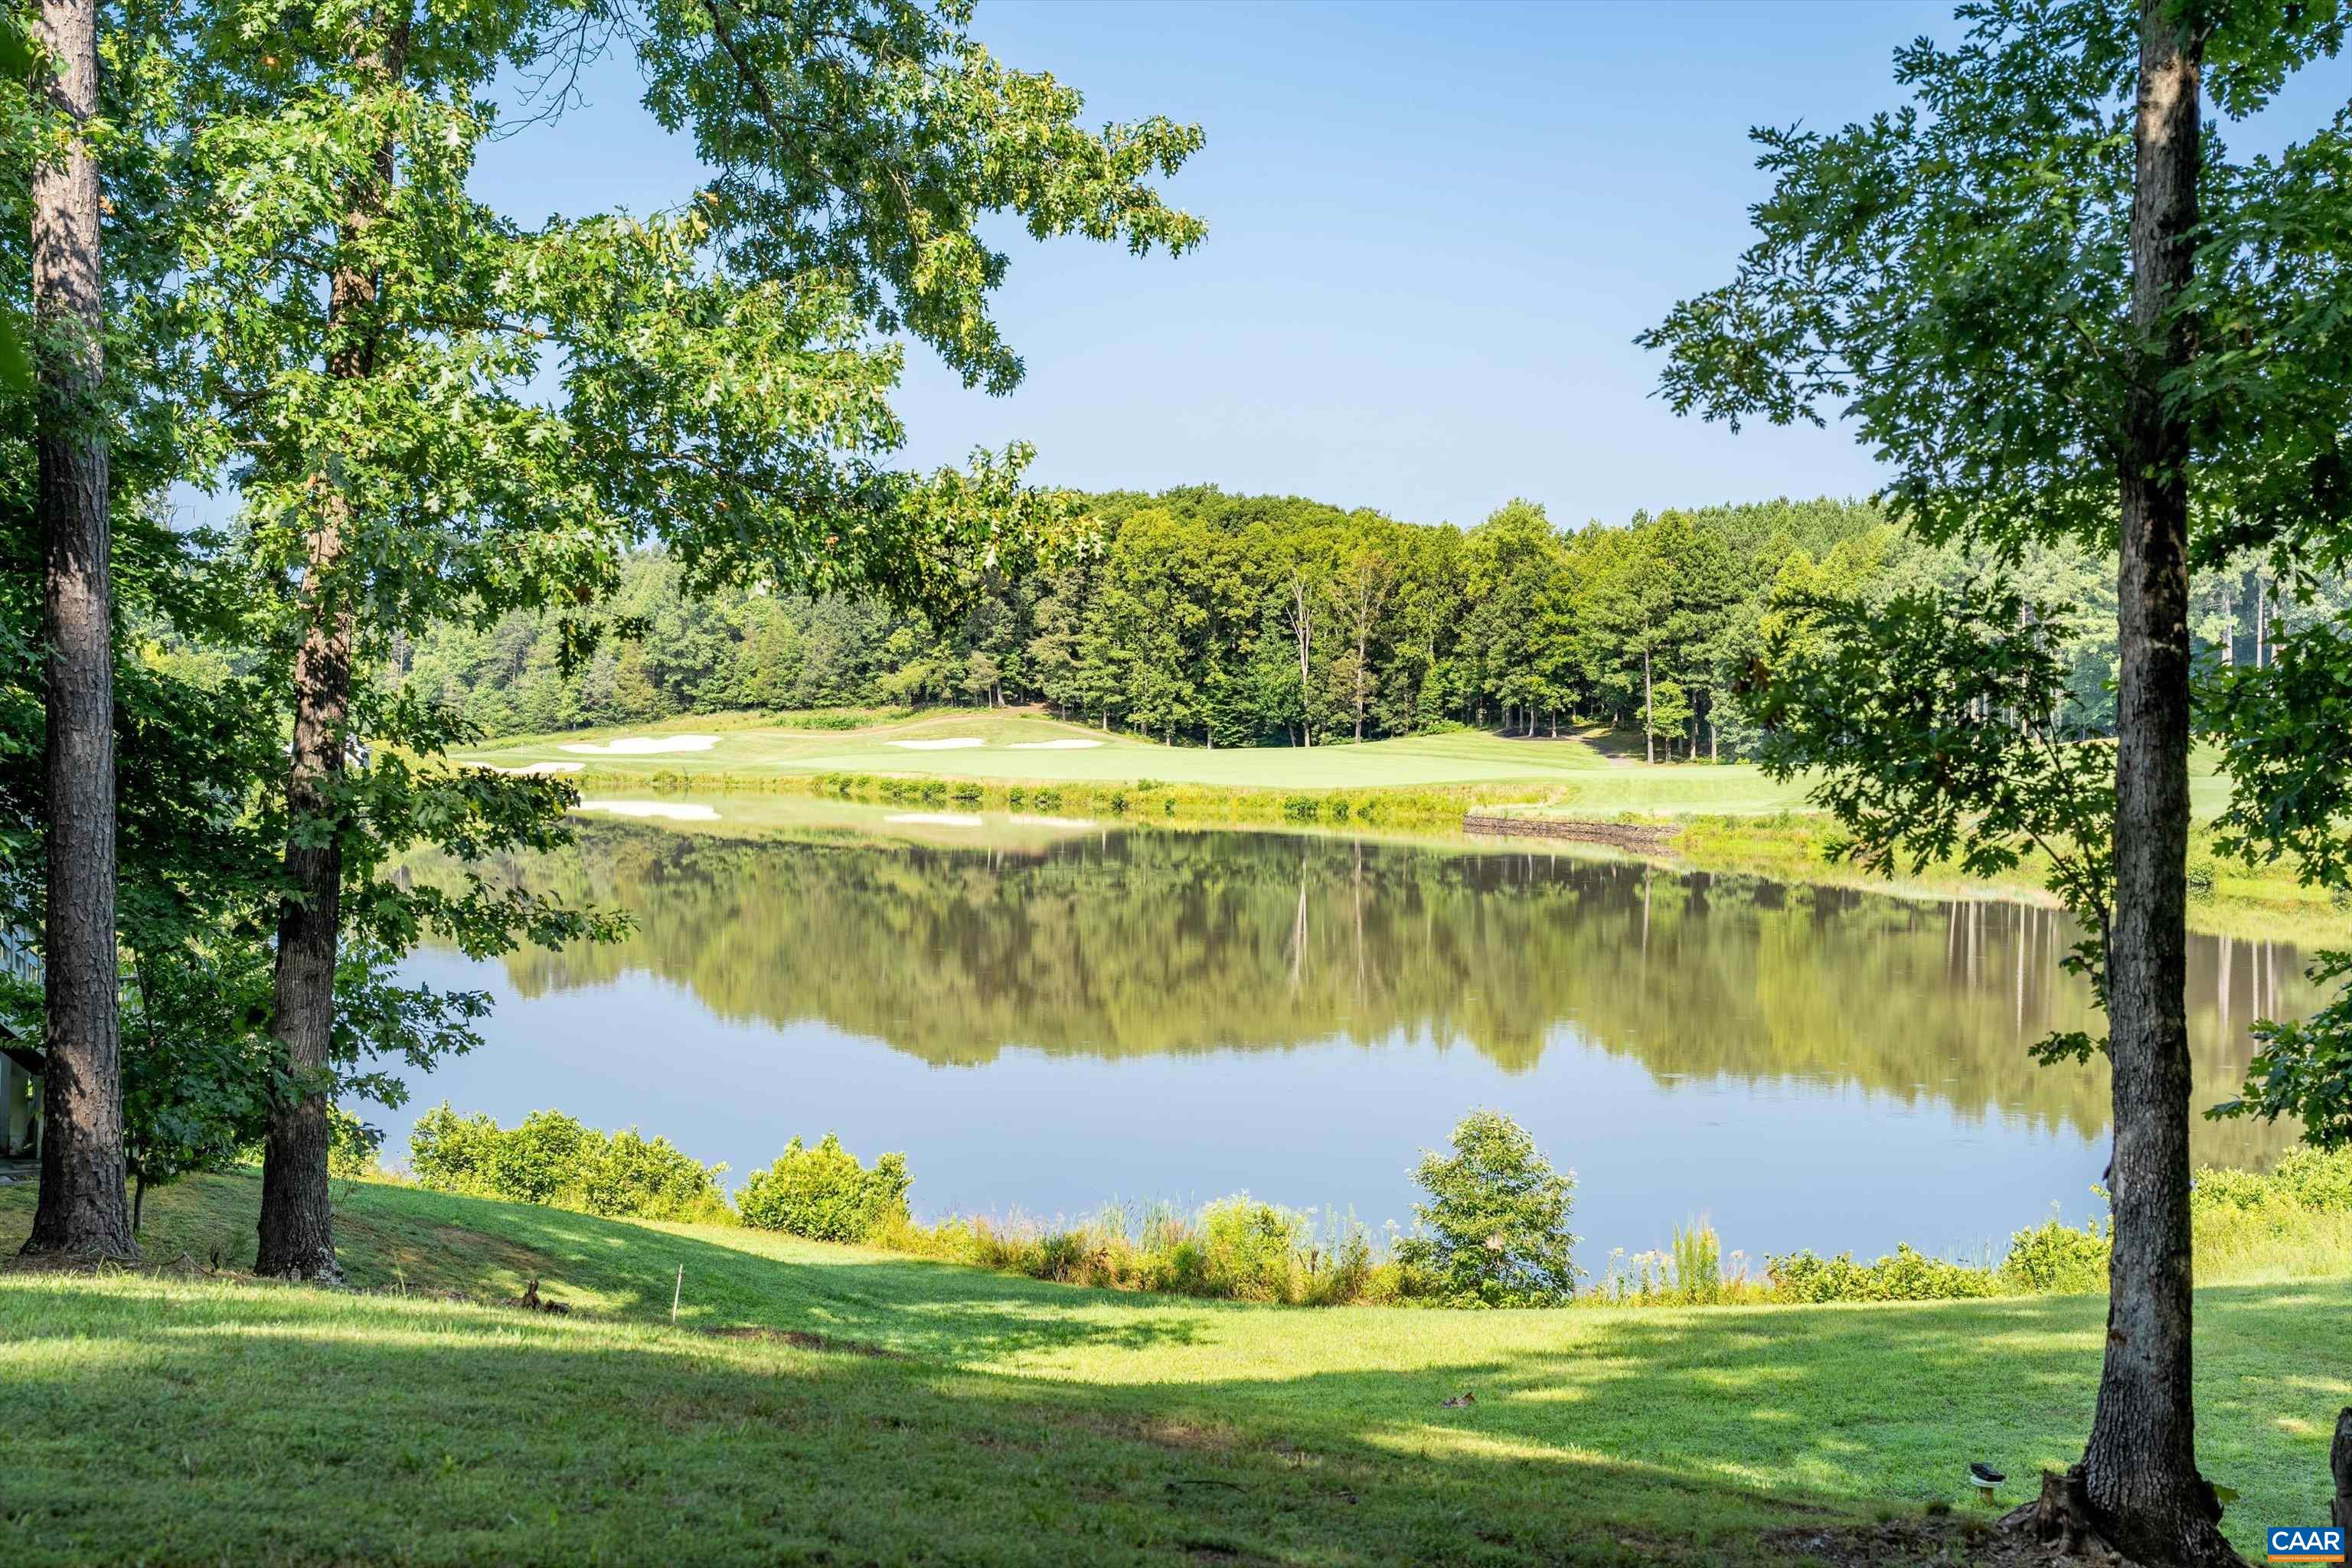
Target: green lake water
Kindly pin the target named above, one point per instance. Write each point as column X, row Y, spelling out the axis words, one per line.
column 1045, row 1014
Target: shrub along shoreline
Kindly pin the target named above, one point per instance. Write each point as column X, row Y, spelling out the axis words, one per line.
column 1494, row 1233
column 1436, row 807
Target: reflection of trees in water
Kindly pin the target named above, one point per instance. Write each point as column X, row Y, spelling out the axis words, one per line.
column 1137, row 944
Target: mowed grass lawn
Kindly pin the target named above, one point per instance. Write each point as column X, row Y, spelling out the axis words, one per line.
column 180, row 1419
column 1028, row 747
column 1569, row 774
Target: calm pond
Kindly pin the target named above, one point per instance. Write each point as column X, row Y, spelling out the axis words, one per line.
column 1048, row 1015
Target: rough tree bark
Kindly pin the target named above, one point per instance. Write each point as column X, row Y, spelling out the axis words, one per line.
column 297, row 1231
column 81, row 1209
column 297, row 1238
column 2139, row 1466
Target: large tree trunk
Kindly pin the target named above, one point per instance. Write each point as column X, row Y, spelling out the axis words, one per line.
column 82, row 1210
column 297, row 1238
column 297, row 1221
column 2140, row 1469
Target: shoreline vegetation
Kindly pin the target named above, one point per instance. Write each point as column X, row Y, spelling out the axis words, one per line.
column 2286, row 1223
column 1703, row 816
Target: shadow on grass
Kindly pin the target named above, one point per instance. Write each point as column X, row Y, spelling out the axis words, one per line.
column 294, row 1426
column 407, row 1241
column 1141, row 1423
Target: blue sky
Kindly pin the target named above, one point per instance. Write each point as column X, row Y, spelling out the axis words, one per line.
column 1433, row 233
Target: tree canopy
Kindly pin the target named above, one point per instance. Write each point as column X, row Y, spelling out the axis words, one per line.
column 429, row 411
column 1184, row 625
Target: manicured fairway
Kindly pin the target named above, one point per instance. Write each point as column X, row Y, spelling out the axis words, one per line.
column 1020, row 746
column 204, row 1417
column 1566, row 775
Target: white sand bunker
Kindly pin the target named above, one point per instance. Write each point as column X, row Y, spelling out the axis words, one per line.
column 936, row 819
column 952, row 744
column 677, row 811
column 1072, row 744
column 644, row 745
column 1054, row 821
column 529, row 769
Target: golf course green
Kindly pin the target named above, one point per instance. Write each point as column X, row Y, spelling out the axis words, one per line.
column 1586, row 773
column 966, row 743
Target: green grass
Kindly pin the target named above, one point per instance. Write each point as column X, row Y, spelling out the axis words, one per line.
column 168, row 1418
column 1588, row 774
column 747, row 745
column 2262, row 902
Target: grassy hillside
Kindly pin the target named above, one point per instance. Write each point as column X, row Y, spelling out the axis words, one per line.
column 833, row 1404
column 1030, row 747
column 1588, row 774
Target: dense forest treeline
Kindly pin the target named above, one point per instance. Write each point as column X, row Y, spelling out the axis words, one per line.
column 1225, row 620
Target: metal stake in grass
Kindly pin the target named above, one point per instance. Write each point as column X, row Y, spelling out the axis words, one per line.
column 675, row 1291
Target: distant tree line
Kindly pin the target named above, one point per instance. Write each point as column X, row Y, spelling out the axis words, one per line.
column 1224, row 620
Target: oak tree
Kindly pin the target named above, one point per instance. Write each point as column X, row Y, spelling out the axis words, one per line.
column 431, row 410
